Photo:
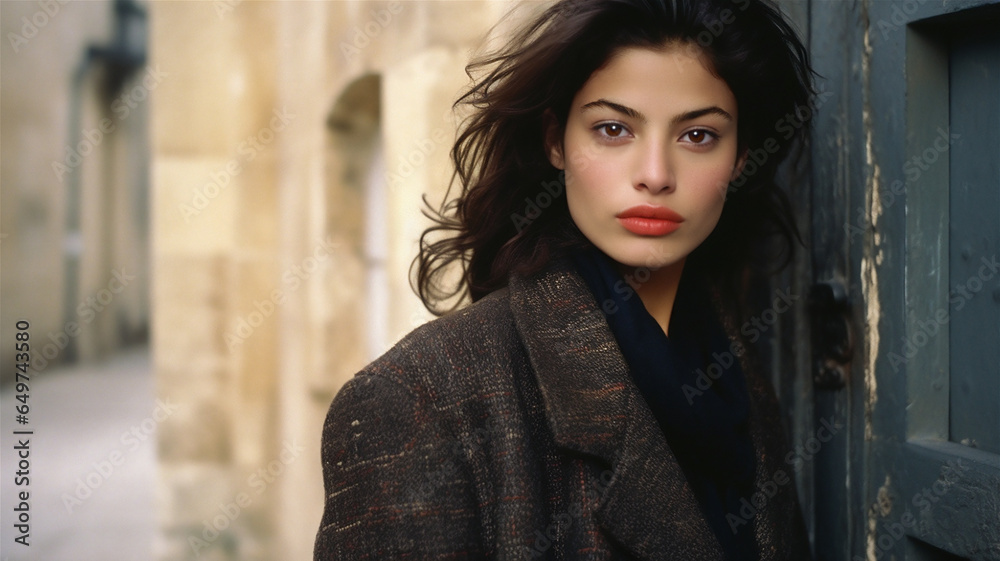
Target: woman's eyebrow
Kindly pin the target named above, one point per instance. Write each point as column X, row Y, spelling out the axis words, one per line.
column 624, row 110
column 686, row 116
column 713, row 110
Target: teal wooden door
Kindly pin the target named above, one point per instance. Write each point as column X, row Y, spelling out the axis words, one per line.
column 905, row 215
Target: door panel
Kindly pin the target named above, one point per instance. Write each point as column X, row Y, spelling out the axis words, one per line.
column 974, row 210
column 906, row 175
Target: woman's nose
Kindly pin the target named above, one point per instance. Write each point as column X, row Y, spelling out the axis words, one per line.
column 654, row 169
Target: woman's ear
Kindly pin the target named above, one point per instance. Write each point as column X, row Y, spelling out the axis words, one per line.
column 553, row 140
column 741, row 160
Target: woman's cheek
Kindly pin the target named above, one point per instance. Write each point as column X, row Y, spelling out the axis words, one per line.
column 712, row 195
column 580, row 156
column 712, row 216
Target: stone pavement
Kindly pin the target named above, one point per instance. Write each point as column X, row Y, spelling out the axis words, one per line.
column 86, row 419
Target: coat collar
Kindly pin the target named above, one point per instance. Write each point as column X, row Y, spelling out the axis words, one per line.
column 593, row 407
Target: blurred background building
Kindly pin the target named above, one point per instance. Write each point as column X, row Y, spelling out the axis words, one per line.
column 291, row 144
column 75, row 175
column 251, row 172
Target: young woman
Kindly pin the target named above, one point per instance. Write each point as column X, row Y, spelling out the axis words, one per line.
column 595, row 400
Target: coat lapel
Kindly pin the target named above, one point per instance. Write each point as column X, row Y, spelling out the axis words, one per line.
column 593, row 407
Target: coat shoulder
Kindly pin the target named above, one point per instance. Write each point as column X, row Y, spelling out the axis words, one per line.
column 455, row 356
column 396, row 440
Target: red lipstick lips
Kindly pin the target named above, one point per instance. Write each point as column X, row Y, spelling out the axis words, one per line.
column 649, row 220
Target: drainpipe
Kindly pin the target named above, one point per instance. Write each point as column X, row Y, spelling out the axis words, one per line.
column 125, row 55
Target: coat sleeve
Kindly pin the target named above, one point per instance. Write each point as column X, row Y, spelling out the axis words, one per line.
column 395, row 481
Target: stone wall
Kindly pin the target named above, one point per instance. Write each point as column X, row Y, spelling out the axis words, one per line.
column 291, row 145
column 73, row 208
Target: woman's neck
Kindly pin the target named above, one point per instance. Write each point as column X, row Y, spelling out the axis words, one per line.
column 659, row 290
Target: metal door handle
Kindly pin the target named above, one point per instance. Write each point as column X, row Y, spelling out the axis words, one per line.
column 832, row 334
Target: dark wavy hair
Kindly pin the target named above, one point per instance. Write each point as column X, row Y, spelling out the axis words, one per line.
column 496, row 225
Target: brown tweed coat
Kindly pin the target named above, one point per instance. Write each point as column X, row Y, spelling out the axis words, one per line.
column 512, row 430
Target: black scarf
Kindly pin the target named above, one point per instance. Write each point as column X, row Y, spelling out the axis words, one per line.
column 706, row 429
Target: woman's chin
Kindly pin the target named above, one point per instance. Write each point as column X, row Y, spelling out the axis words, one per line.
column 648, row 253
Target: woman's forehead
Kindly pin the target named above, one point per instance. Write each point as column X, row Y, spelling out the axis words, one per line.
column 657, row 79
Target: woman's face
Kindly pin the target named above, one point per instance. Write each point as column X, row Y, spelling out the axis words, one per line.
column 649, row 150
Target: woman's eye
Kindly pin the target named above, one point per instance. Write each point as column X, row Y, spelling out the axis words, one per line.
column 612, row 130
column 701, row 137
